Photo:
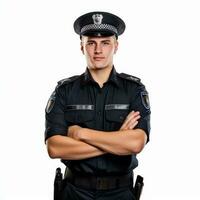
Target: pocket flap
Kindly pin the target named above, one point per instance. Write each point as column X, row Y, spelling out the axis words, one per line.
column 116, row 115
column 79, row 113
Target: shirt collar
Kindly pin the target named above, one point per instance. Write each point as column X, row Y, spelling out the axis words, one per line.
column 87, row 77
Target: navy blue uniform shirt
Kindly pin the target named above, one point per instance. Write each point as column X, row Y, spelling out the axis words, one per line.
column 80, row 101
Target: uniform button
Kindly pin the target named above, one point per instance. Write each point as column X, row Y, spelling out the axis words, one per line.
column 121, row 117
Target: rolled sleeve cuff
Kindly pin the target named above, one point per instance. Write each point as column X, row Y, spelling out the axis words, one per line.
column 144, row 125
column 49, row 132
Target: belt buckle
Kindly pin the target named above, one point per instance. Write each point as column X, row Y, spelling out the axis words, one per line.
column 102, row 184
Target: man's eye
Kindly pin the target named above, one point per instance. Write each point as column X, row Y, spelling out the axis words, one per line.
column 90, row 43
column 106, row 43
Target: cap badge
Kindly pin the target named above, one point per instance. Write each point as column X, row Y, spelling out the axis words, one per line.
column 97, row 18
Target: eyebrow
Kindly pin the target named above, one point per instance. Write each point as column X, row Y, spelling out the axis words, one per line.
column 106, row 40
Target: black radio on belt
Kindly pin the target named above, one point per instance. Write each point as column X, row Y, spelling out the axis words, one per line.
column 58, row 184
column 138, row 187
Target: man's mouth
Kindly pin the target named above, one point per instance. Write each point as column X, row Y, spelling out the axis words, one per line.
column 98, row 58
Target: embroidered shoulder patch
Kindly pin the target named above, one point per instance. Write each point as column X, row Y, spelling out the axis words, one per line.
column 51, row 102
column 145, row 99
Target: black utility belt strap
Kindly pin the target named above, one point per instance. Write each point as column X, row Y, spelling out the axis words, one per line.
column 99, row 183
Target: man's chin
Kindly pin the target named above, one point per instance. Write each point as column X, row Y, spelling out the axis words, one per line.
column 98, row 67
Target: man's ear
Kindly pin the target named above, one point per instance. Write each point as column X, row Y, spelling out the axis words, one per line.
column 82, row 49
column 116, row 46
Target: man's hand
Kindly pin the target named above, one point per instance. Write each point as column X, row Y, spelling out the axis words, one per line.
column 74, row 132
column 131, row 121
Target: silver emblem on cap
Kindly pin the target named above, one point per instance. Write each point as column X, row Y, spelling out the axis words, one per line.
column 97, row 18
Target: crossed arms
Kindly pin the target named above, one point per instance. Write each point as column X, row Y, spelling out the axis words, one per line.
column 83, row 143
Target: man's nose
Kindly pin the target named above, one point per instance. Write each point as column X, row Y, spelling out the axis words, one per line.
column 98, row 48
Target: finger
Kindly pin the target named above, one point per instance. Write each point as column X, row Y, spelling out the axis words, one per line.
column 123, row 127
column 132, row 125
column 132, row 121
column 130, row 116
column 135, row 118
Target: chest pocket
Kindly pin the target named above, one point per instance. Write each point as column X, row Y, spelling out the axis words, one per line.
column 116, row 112
column 79, row 114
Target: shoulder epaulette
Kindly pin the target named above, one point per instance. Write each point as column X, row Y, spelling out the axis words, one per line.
column 131, row 78
column 67, row 80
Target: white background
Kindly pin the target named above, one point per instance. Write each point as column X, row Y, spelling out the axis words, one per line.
column 38, row 47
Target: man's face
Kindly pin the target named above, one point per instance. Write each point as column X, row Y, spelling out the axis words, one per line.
column 99, row 51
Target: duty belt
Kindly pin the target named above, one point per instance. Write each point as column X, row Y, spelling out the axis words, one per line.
column 99, row 182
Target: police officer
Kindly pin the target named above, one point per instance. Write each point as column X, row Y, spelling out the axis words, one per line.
column 97, row 122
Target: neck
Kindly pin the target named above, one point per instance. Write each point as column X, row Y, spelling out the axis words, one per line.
column 100, row 75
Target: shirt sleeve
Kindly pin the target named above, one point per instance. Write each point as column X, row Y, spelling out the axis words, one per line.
column 55, row 123
column 140, row 102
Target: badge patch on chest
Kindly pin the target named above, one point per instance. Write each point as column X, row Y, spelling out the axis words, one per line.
column 145, row 99
column 51, row 102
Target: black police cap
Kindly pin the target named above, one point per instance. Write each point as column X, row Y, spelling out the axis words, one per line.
column 99, row 24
